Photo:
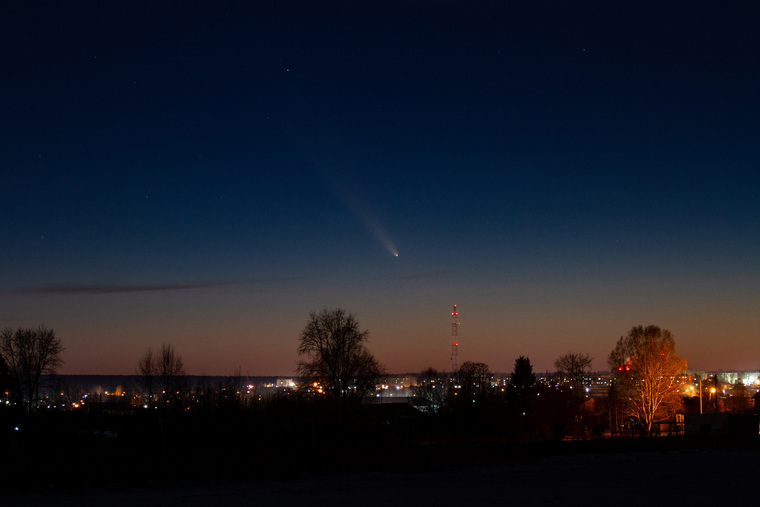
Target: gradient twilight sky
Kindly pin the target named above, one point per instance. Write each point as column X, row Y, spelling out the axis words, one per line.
column 206, row 176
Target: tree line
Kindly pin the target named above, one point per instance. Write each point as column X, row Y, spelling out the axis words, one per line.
column 646, row 386
column 339, row 374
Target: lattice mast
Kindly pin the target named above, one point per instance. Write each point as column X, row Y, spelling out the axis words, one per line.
column 454, row 340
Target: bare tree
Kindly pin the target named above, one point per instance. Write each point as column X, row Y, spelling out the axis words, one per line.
column 647, row 373
column 475, row 381
column 573, row 367
column 146, row 370
column 336, row 356
column 7, row 384
column 171, row 371
column 30, row 354
column 230, row 391
column 162, row 371
column 431, row 388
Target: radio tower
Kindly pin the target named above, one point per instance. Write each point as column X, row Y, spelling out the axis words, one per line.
column 454, row 340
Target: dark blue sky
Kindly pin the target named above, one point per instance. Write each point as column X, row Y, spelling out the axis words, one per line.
column 207, row 175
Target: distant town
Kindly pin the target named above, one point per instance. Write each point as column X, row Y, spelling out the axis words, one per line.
column 81, row 392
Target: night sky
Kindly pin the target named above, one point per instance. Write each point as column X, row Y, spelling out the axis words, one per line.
column 208, row 175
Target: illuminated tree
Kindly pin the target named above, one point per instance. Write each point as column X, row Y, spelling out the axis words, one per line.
column 30, row 354
column 573, row 367
column 647, row 374
column 336, row 356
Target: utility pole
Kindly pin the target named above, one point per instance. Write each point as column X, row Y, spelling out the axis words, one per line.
column 716, row 391
column 700, row 394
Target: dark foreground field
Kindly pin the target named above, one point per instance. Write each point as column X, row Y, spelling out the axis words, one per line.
column 643, row 472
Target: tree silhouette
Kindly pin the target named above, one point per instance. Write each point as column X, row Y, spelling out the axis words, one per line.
column 647, row 374
column 163, row 373
column 573, row 367
column 522, row 375
column 739, row 400
column 171, row 373
column 30, row 354
column 336, row 356
column 431, row 390
column 7, row 384
column 146, row 370
column 475, row 381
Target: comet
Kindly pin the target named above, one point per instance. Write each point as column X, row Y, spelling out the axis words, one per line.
column 357, row 204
